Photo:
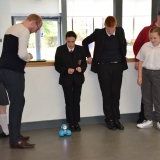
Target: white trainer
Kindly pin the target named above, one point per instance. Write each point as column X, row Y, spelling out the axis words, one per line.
column 158, row 125
column 145, row 124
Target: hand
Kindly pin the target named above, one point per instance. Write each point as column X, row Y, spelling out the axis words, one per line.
column 139, row 81
column 89, row 60
column 31, row 56
column 79, row 69
column 136, row 65
column 70, row 70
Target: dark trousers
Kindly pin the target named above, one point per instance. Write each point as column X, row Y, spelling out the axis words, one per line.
column 110, row 80
column 72, row 96
column 141, row 113
column 14, row 84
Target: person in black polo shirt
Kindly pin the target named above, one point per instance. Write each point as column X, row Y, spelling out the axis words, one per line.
column 109, row 62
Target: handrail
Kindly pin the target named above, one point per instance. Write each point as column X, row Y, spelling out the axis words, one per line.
column 51, row 63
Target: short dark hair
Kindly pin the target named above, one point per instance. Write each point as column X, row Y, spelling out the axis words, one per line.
column 71, row 34
column 159, row 13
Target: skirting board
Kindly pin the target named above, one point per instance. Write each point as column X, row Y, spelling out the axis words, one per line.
column 84, row 121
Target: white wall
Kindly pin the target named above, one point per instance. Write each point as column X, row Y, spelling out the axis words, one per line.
column 5, row 18
column 43, row 7
column 45, row 100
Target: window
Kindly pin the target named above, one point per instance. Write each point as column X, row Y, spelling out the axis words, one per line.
column 84, row 21
column 43, row 44
column 134, row 19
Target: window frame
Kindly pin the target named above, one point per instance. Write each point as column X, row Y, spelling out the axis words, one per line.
column 37, row 34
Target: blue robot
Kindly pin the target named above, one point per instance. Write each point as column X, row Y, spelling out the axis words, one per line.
column 64, row 131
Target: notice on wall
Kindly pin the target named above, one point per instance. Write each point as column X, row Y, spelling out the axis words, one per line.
column 0, row 31
column 42, row 32
column 0, row 35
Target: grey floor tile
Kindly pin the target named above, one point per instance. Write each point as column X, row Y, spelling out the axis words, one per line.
column 94, row 142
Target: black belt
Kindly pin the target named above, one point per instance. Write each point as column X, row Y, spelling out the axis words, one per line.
column 114, row 62
column 151, row 70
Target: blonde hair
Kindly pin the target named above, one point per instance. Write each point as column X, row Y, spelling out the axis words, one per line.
column 34, row 17
column 155, row 29
column 110, row 21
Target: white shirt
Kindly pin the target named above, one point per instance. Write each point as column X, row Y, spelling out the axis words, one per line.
column 111, row 34
column 70, row 49
column 150, row 56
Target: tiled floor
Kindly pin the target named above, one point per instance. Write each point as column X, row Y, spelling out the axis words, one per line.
column 94, row 142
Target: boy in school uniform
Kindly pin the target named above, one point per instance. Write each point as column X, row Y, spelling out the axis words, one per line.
column 70, row 62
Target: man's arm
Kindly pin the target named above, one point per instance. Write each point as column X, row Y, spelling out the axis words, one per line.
column 139, row 80
column 136, row 65
column 22, row 48
column 91, row 38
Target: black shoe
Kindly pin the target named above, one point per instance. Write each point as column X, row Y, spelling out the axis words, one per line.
column 140, row 120
column 118, row 125
column 110, row 124
column 3, row 135
column 77, row 128
column 72, row 128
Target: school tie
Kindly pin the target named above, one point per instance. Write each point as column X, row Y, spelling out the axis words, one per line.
column 71, row 51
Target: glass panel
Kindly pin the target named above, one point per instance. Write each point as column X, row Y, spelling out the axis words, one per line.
column 69, row 24
column 89, row 28
column 83, row 26
column 79, row 27
column 138, row 26
column 83, row 17
column 103, row 8
column 128, row 29
column 134, row 19
column 49, row 39
column 98, row 22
